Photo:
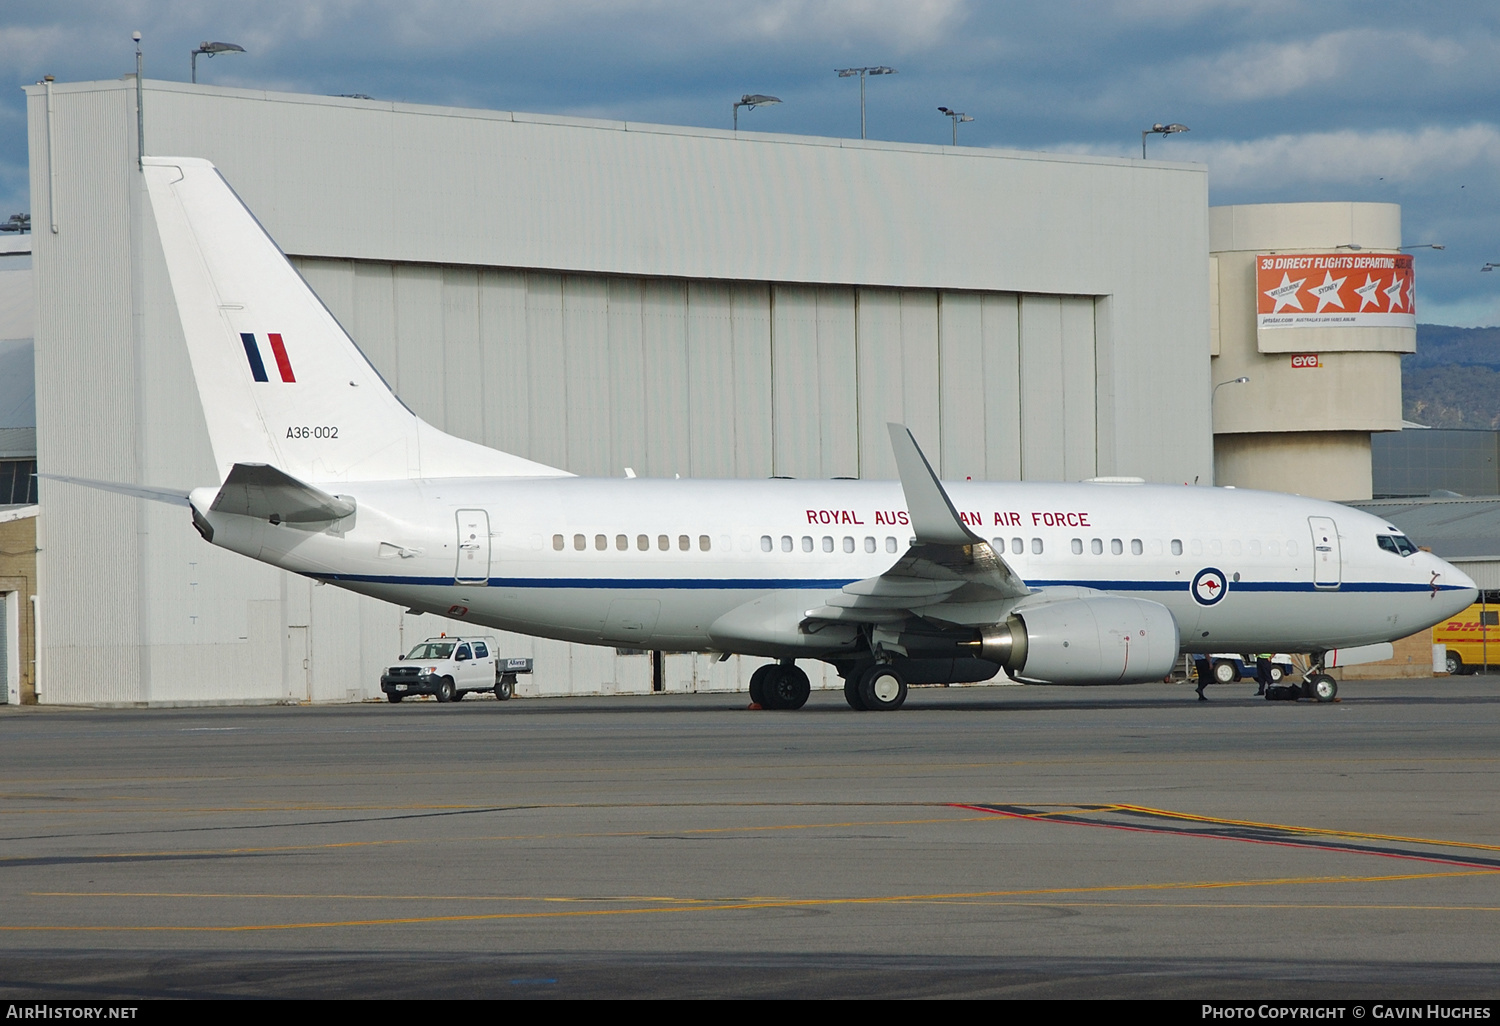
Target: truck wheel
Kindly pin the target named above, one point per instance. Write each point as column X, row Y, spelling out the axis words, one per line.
column 1455, row 664
column 1276, row 674
column 393, row 698
column 446, row 690
column 504, row 689
column 1225, row 673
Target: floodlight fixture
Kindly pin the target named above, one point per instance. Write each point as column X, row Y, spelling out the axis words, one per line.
column 1161, row 130
column 879, row 69
column 752, row 100
column 210, row 49
column 957, row 116
column 1421, row 245
column 1489, row 267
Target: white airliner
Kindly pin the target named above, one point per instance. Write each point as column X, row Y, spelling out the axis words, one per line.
column 325, row 473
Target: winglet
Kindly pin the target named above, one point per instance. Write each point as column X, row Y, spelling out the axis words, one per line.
column 933, row 517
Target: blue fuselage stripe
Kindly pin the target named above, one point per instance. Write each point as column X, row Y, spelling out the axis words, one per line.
column 822, row 584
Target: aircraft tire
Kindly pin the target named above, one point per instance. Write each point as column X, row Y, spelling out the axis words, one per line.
column 851, row 693
column 758, row 685
column 1323, row 687
column 786, row 687
column 881, row 689
column 445, row 690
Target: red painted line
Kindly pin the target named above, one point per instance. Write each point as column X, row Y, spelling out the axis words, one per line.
column 283, row 362
column 1345, row 850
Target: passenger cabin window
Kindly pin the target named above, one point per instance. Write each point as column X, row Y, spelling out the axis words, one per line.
column 703, row 543
column 1116, row 547
column 601, row 542
column 765, row 543
column 622, row 542
column 890, row 544
column 1176, row 546
column 827, row 543
column 806, row 543
column 1136, row 548
column 684, row 542
column 643, row 542
column 557, row 542
column 1096, row 546
column 848, row 544
column 786, row 543
column 580, row 542
column 1077, row 546
column 663, row 542
column 1036, row 546
column 869, row 544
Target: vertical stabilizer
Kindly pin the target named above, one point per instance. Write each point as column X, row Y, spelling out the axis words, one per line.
column 280, row 381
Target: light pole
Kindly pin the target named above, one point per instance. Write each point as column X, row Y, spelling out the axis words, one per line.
column 957, row 116
column 140, row 114
column 1215, row 394
column 1161, row 130
column 1489, row 267
column 211, row 49
column 1421, row 245
column 862, row 72
column 752, row 100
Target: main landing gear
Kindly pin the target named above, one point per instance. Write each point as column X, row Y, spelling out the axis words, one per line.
column 876, row 688
column 779, row 686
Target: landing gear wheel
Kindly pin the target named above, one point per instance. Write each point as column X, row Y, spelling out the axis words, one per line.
column 392, row 697
column 446, row 690
column 881, row 689
column 785, row 687
column 1322, row 687
column 851, row 693
column 1225, row 673
column 1454, row 664
column 758, row 685
column 504, row 689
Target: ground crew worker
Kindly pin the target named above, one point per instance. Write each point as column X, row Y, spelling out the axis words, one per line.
column 1205, row 674
column 1263, row 671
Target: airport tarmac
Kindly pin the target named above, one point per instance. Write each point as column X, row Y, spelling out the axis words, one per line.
column 999, row 841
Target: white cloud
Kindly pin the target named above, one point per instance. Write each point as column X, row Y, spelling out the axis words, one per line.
column 1349, row 156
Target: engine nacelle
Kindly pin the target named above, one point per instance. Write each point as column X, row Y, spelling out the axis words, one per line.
column 1097, row 640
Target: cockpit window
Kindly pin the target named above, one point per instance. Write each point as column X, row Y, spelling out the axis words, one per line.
column 1400, row 544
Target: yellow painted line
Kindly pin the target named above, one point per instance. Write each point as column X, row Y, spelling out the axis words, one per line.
column 961, row 895
column 520, row 837
column 1310, row 831
column 738, row 906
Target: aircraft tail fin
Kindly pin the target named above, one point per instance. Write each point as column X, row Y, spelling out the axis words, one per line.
column 280, row 381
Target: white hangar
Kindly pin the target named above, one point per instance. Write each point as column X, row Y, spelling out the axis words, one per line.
column 594, row 295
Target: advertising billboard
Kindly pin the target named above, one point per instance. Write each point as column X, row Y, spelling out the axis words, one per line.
column 1334, row 290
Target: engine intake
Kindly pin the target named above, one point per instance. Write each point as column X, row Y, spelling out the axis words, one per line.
column 1097, row 640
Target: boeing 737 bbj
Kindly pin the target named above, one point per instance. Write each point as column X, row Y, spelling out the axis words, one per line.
column 325, row 473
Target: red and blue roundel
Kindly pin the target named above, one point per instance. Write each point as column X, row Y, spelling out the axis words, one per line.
column 1209, row 586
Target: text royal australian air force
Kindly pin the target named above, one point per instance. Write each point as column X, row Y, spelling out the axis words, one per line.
column 970, row 517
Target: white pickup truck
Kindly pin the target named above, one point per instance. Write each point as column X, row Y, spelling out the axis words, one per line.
column 452, row 667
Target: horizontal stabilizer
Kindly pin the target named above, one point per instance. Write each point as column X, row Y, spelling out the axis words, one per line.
column 167, row 495
column 261, row 491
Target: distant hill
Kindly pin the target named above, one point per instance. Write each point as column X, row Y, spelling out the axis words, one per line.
column 1453, row 379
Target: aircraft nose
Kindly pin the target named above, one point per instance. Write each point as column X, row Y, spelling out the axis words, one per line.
column 1458, row 587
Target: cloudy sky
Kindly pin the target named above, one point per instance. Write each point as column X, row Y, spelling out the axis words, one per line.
column 1287, row 100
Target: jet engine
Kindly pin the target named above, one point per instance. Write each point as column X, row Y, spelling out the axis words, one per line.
column 1101, row 639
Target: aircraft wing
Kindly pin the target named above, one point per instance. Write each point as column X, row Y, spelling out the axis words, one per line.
column 949, row 574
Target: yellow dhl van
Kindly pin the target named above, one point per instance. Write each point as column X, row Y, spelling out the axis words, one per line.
column 1472, row 637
